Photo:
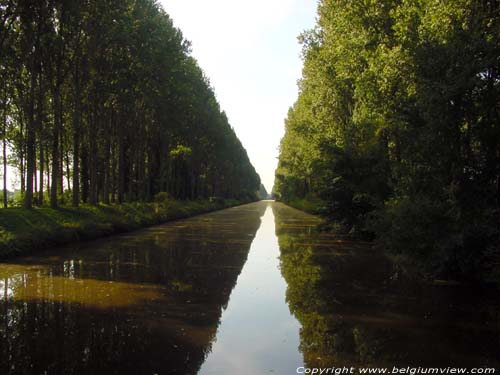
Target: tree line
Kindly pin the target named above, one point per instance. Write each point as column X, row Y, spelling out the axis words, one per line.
column 396, row 128
column 101, row 101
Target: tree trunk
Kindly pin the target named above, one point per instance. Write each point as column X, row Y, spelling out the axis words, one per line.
column 68, row 171
column 48, row 170
column 84, row 173
column 5, row 197
column 121, row 169
column 42, row 166
column 35, row 181
column 61, row 158
column 30, row 146
column 93, row 159
column 41, row 98
column 113, row 174
column 55, row 150
column 76, row 143
column 21, row 162
column 107, row 174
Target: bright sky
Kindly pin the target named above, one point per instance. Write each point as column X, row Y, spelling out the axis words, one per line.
column 250, row 52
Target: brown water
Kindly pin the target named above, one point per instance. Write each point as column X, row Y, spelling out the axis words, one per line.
column 249, row 290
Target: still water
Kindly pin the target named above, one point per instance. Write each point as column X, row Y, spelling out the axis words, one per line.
column 254, row 289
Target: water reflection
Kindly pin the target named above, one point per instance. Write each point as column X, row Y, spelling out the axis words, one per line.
column 188, row 297
column 143, row 303
column 352, row 314
column 257, row 335
column 24, row 283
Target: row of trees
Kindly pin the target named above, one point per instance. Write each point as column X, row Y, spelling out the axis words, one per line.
column 397, row 129
column 100, row 101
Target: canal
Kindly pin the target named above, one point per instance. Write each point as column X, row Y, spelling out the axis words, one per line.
column 255, row 289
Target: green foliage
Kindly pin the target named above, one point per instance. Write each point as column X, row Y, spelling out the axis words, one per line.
column 181, row 152
column 262, row 193
column 102, row 101
column 396, row 128
column 424, row 230
column 311, row 205
column 162, row 197
column 15, row 199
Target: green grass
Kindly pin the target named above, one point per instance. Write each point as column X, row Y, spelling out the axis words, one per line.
column 27, row 231
column 310, row 205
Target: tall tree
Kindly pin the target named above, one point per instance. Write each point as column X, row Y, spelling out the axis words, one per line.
column 396, row 128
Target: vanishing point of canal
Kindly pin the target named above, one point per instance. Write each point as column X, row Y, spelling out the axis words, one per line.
column 255, row 289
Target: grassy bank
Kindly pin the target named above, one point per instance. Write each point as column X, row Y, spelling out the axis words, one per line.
column 26, row 231
column 311, row 206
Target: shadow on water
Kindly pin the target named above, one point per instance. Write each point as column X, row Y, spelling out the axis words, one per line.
column 352, row 314
column 142, row 303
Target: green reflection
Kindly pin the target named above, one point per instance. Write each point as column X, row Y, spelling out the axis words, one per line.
column 354, row 312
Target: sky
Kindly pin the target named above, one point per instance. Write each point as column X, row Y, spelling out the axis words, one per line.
column 250, row 53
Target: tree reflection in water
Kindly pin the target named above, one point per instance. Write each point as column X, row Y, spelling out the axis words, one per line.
column 142, row 303
column 151, row 302
column 353, row 314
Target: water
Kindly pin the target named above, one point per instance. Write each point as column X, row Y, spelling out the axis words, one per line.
column 249, row 290
column 257, row 334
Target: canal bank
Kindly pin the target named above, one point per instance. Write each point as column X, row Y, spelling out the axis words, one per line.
column 28, row 231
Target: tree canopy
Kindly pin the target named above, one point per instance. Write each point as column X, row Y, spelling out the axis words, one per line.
column 396, row 128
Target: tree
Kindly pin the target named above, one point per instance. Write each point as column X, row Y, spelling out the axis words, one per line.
column 101, row 96
column 398, row 117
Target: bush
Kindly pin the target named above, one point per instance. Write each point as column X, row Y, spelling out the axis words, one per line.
column 162, row 201
column 217, row 200
column 162, row 197
column 423, row 231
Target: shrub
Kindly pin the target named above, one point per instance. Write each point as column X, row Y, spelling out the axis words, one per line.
column 421, row 230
